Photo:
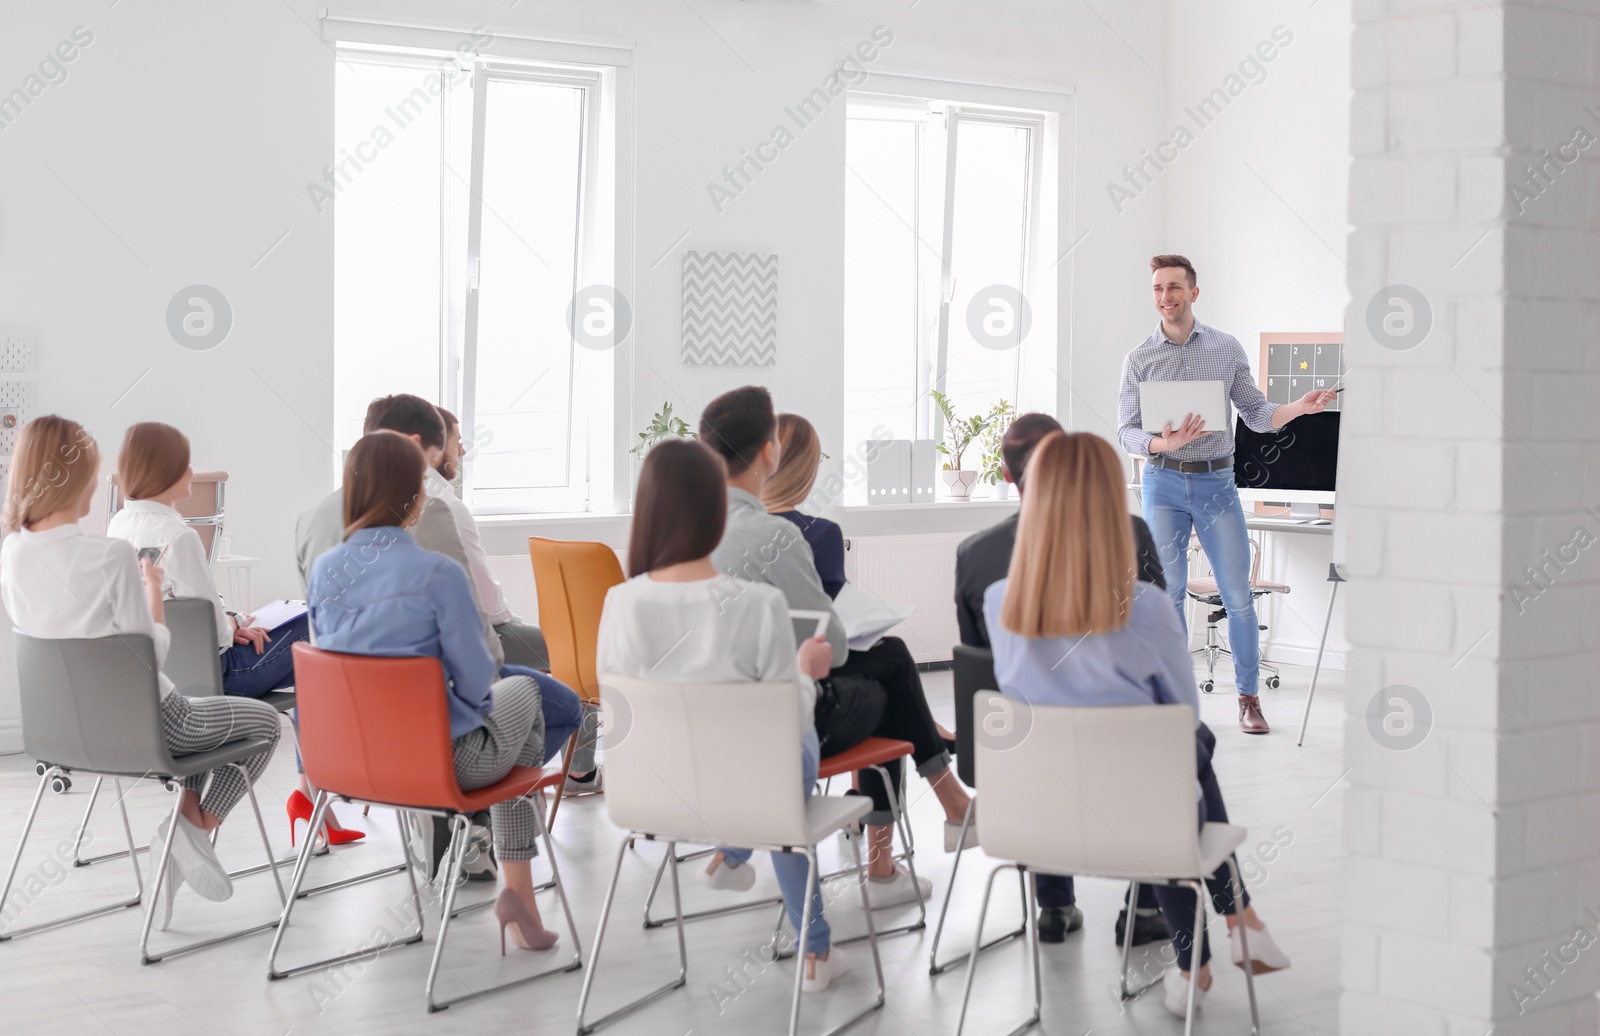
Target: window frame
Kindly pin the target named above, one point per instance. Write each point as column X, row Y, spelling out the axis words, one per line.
column 924, row 109
column 604, row 239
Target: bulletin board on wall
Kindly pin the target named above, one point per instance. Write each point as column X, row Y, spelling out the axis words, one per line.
column 1294, row 363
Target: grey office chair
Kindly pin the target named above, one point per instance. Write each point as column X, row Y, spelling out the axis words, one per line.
column 94, row 706
column 195, row 665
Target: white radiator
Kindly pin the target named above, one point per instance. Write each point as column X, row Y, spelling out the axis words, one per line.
column 917, row 570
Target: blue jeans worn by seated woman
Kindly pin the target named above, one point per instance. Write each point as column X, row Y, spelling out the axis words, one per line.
column 249, row 675
column 791, row 867
column 563, row 711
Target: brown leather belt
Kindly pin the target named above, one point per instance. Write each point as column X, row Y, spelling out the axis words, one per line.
column 1192, row 467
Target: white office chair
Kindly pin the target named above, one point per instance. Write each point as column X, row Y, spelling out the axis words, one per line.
column 1105, row 818
column 1204, row 590
column 669, row 750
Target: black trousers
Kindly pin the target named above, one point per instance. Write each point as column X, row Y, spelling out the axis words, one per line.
column 905, row 717
column 1177, row 904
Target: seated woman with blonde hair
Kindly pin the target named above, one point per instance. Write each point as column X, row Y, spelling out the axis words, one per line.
column 1071, row 626
column 62, row 583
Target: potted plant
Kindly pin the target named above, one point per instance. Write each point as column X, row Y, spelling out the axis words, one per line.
column 663, row 425
column 993, row 468
column 958, row 435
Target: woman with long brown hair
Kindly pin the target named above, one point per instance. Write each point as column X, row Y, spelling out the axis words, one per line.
column 888, row 664
column 60, row 582
column 1071, row 626
column 741, row 632
column 379, row 593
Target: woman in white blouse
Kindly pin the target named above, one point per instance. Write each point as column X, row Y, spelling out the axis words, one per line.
column 154, row 473
column 679, row 619
column 59, row 582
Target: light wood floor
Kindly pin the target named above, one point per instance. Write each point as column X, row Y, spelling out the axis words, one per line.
column 86, row 978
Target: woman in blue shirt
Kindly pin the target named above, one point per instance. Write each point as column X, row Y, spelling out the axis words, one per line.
column 378, row 593
column 1071, row 626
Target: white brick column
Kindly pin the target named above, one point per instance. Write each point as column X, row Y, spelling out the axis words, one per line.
column 1471, row 494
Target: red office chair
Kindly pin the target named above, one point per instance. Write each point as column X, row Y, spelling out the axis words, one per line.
column 377, row 731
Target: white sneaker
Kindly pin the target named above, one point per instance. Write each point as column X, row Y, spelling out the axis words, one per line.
column 1176, row 990
column 169, row 888
column 850, row 845
column 191, row 850
column 596, row 786
column 896, row 890
column 952, row 835
column 730, row 879
column 1265, row 957
column 827, row 970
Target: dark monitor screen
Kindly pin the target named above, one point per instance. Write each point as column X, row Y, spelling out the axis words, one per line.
column 1302, row 455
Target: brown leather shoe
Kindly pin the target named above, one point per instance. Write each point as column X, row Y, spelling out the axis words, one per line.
column 1251, row 721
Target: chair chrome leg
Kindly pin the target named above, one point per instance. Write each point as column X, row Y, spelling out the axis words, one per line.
column 172, row 832
column 1237, row 888
column 977, row 947
column 673, row 861
column 77, row 843
column 261, row 825
column 5, row 891
column 455, row 857
column 934, row 967
column 163, row 869
column 1195, row 944
column 1128, row 992
column 84, row 861
column 302, row 866
column 599, row 938
column 895, row 798
column 803, row 940
column 1030, row 920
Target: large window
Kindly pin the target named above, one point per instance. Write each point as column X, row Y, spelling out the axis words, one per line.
column 941, row 212
column 467, row 220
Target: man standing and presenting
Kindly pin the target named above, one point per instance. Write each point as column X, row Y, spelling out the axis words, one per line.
column 1188, row 480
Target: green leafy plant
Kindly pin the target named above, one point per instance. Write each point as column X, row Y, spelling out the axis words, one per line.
column 992, row 467
column 958, row 433
column 663, row 425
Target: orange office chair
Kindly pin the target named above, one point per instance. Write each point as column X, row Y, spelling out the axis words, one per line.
column 571, row 578
column 377, row 731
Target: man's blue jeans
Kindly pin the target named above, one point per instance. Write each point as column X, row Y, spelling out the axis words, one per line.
column 791, row 868
column 1208, row 503
column 562, row 708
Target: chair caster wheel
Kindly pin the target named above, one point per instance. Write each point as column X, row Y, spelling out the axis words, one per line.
column 39, row 769
column 1208, row 686
column 1272, row 683
column 60, row 784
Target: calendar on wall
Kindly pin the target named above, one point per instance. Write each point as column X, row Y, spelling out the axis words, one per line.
column 1293, row 364
column 17, row 350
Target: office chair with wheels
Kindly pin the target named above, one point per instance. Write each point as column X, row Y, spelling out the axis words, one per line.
column 1203, row 590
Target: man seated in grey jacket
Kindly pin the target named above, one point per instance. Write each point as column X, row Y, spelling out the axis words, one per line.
column 741, row 427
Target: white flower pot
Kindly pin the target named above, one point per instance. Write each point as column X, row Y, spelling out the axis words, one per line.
column 960, row 483
column 1002, row 490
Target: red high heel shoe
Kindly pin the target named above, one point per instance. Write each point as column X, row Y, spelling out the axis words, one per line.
column 299, row 808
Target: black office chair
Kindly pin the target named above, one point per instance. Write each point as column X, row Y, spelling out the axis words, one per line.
column 974, row 672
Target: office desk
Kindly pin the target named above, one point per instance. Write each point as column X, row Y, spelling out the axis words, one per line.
column 1304, row 526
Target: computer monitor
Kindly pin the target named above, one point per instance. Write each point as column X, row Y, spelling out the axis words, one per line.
column 1294, row 465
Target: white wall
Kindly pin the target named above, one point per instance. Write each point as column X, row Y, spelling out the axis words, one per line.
column 182, row 161
column 1258, row 202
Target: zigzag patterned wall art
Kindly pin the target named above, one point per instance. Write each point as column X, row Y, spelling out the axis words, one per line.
column 730, row 309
